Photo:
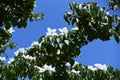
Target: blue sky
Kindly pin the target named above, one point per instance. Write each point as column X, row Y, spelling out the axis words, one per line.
column 107, row 52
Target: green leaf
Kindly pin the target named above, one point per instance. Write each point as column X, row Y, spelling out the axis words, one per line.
column 66, row 17
column 58, row 40
column 71, row 61
column 12, row 44
column 73, row 21
column 41, row 38
column 61, row 45
column 8, row 25
column 116, row 36
column 42, row 16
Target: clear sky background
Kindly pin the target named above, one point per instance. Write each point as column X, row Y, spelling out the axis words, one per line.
column 107, row 52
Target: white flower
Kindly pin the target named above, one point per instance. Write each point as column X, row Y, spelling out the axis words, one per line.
column 67, row 64
column 11, row 60
column 40, row 69
column 76, row 63
column 11, row 30
column 74, row 71
column 63, row 30
column 80, row 6
column 28, row 57
column 100, row 66
column 20, row 50
column 35, row 43
column 75, row 28
column 51, row 32
column 58, row 52
column 92, row 68
column 2, row 58
column 49, row 67
column 45, row 67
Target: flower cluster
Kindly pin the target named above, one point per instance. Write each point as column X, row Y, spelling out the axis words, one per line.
column 22, row 52
column 45, row 68
column 98, row 66
column 64, row 30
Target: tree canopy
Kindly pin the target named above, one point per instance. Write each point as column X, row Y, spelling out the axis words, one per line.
column 51, row 57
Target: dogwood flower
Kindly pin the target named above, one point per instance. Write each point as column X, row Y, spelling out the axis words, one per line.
column 63, row 30
column 75, row 63
column 40, row 69
column 28, row 57
column 49, row 67
column 45, row 67
column 75, row 28
column 20, row 50
column 74, row 71
column 11, row 30
column 92, row 68
column 35, row 43
column 2, row 58
column 68, row 64
column 100, row 66
column 51, row 32
column 11, row 60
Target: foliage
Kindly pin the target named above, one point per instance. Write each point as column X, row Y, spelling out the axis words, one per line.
column 51, row 57
column 15, row 14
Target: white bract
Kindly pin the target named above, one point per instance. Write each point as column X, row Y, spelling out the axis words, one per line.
column 69, row 12
column 51, row 32
column 35, row 43
column 49, row 67
column 2, row 58
column 20, row 50
column 11, row 30
column 63, row 30
column 74, row 71
column 11, row 60
column 68, row 64
column 28, row 57
column 100, row 66
column 40, row 69
column 92, row 68
column 75, row 63
column 46, row 67
column 75, row 28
